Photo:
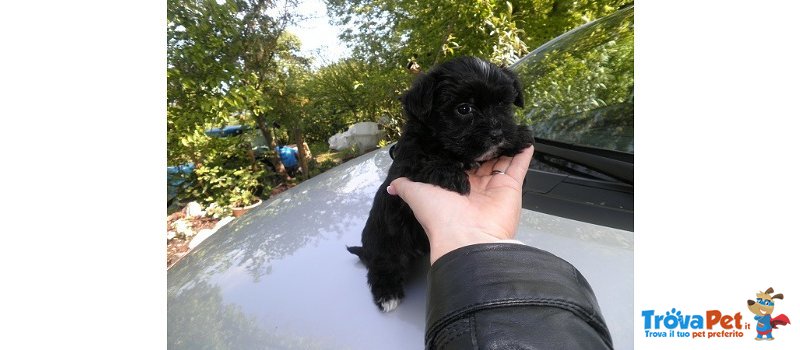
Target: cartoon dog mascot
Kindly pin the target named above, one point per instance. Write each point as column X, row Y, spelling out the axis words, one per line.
column 762, row 308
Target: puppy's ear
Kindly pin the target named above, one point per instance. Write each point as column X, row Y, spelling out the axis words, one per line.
column 519, row 100
column 418, row 101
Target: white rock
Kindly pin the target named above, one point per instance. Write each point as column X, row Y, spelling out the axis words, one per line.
column 365, row 135
column 170, row 235
column 194, row 209
column 339, row 141
column 182, row 227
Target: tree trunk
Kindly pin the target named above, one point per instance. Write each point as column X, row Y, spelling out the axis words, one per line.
column 274, row 158
column 264, row 129
column 303, row 154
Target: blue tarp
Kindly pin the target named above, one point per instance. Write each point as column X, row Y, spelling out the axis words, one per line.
column 226, row 131
column 176, row 178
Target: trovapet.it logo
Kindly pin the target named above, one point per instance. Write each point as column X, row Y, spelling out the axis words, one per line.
column 763, row 308
column 675, row 323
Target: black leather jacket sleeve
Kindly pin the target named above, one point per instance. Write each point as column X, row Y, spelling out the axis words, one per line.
column 511, row 296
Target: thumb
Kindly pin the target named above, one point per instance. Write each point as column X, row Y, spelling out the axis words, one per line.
column 408, row 190
column 397, row 185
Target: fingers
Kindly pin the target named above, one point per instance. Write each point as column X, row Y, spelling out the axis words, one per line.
column 519, row 164
column 486, row 168
column 516, row 167
column 502, row 164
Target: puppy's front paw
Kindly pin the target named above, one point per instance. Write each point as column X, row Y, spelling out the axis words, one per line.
column 388, row 305
column 521, row 141
column 387, row 298
column 524, row 136
column 451, row 178
column 386, row 283
column 461, row 185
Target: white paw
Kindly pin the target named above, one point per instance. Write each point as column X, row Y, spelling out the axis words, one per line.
column 389, row 305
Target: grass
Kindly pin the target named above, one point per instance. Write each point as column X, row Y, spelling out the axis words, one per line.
column 325, row 158
column 324, row 155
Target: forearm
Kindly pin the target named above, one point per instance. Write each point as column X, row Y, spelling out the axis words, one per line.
column 503, row 294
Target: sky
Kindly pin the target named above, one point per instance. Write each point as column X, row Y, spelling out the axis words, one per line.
column 319, row 38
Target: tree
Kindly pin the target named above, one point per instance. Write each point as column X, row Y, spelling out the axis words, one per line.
column 388, row 35
column 433, row 30
column 202, row 38
column 581, row 87
column 286, row 91
column 351, row 91
column 262, row 33
column 233, row 62
column 219, row 60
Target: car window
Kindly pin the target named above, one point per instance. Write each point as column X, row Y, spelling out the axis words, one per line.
column 579, row 86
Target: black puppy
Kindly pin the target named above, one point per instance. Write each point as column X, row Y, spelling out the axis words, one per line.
column 459, row 115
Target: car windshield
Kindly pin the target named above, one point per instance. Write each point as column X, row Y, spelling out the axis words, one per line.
column 579, row 86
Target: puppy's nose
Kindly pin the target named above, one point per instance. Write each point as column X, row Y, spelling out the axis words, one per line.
column 496, row 133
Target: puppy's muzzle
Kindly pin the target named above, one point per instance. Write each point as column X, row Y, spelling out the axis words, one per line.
column 496, row 135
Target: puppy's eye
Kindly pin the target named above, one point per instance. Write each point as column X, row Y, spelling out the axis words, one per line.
column 464, row 109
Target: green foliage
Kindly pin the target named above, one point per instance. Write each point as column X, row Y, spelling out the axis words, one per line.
column 241, row 197
column 220, row 58
column 582, row 86
column 352, row 91
column 392, row 31
column 323, row 166
column 234, row 63
column 228, row 176
column 319, row 147
column 200, row 66
column 388, row 35
column 350, row 153
column 283, row 87
column 603, row 71
column 217, row 211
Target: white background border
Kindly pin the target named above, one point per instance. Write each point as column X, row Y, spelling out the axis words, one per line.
column 83, row 95
column 717, row 195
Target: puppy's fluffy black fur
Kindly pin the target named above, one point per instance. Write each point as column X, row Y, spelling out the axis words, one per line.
column 458, row 115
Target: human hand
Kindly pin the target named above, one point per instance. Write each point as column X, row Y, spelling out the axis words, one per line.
column 488, row 214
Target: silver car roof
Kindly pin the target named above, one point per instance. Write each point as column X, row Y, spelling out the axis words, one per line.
column 279, row 277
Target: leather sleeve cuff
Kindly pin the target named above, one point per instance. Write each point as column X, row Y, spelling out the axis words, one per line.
column 483, row 276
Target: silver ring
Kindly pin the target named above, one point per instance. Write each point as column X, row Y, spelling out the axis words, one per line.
column 495, row 172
